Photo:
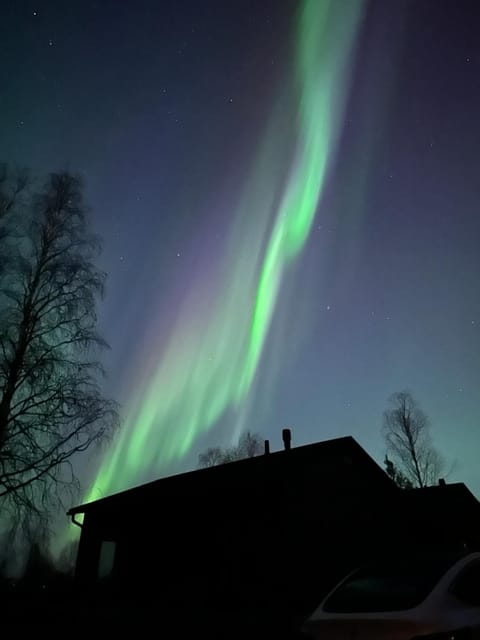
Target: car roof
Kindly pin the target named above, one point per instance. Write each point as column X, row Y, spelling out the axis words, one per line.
column 453, row 561
column 419, row 555
column 456, row 563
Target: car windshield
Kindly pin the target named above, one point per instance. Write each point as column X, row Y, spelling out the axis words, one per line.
column 389, row 585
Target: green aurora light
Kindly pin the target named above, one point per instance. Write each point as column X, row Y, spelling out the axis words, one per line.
column 209, row 363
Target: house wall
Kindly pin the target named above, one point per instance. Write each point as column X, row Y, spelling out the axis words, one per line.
column 278, row 539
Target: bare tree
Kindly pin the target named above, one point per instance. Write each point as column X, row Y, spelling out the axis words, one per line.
column 406, row 430
column 212, row 456
column 13, row 185
column 397, row 476
column 249, row 445
column 51, row 405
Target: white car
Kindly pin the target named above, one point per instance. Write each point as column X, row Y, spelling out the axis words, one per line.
column 428, row 596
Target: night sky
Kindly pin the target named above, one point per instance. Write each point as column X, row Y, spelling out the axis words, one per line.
column 290, row 205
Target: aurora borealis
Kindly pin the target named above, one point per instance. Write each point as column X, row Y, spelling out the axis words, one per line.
column 212, row 356
column 288, row 196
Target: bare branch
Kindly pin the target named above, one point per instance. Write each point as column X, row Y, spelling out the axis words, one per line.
column 51, row 407
column 249, row 445
column 406, row 433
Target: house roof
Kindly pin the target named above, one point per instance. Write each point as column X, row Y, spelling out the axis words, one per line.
column 450, row 510
column 455, row 497
column 332, row 461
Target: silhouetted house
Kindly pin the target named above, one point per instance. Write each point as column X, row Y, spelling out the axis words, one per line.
column 269, row 531
column 268, row 534
column 448, row 514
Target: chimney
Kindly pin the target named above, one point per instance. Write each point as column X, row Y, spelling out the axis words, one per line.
column 287, row 439
column 267, row 447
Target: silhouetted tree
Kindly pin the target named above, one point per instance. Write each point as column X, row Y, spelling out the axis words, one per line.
column 51, row 406
column 65, row 562
column 39, row 567
column 13, row 185
column 213, row 456
column 413, row 458
column 249, row 445
column 396, row 475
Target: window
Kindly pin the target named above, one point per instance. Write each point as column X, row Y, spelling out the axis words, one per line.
column 467, row 586
column 106, row 560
